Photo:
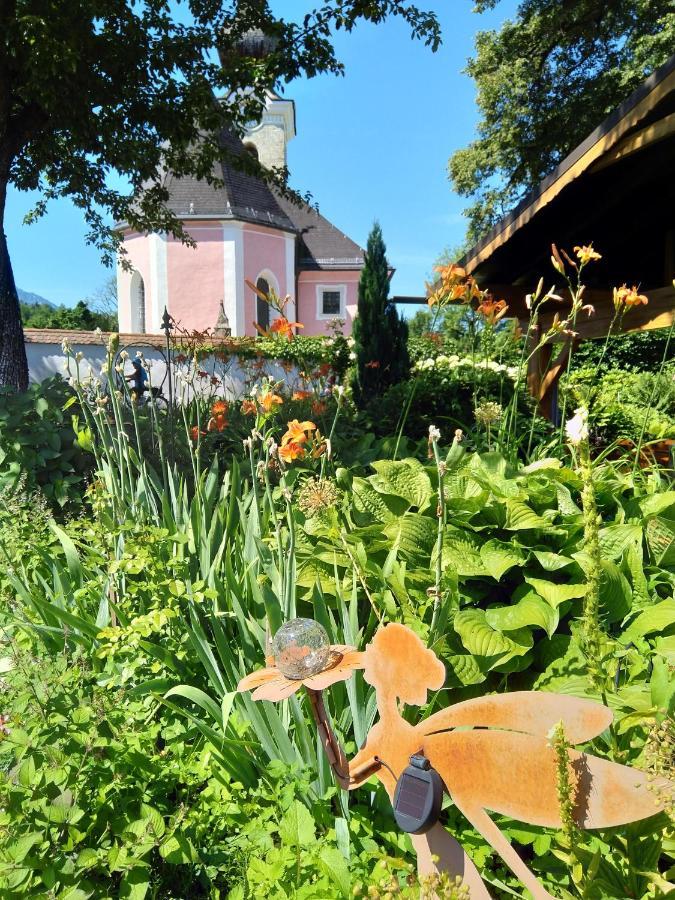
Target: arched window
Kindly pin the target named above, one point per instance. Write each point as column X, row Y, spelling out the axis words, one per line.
column 252, row 149
column 137, row 304
column 262, row 309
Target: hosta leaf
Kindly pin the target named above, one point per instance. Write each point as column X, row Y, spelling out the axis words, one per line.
column 463, row 555
column 380, row 506
column 616, row 596
column 654, row 619
column 519, row 517
column 566, row 505
column 634, row 565
column 551, row 561
column 657, row 503
column 614, row 539
column 499, row 557
column 551, row 462
column 465, row 669
column 415, row 533
column 531, row 610
column 481, row 639
column 661, row 540
column 404, row 478
column 555, row 594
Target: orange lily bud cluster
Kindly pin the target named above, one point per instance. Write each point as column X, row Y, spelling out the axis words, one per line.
column 452, row 285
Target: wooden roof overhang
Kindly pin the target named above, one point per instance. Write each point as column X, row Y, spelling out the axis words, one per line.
column 617, row 190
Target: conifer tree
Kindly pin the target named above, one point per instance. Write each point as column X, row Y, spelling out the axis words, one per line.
column 380, row 334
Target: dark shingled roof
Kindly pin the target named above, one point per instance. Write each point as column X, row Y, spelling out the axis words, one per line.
column 241, row 196
column 321, row 245
column 245, row 198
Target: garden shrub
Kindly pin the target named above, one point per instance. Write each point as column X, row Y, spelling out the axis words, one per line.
column 38, row 441
column 623, row 402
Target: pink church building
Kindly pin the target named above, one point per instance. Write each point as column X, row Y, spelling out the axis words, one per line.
column 242, row 231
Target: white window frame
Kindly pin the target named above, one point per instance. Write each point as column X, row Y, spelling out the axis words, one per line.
column 325, row 317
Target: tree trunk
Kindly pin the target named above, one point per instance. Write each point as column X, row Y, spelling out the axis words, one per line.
column 13, row 362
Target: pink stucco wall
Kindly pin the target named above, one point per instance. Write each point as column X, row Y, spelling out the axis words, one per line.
column 195, row 277
column 307, row 299
column 138, row 254
column 264, row 253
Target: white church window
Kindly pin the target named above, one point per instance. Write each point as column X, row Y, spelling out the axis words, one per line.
column 137, row 304
column 330, row 301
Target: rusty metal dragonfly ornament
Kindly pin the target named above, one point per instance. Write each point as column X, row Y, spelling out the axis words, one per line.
column 492, row 753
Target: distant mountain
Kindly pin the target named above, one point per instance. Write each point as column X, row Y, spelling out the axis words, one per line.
column 33, row 299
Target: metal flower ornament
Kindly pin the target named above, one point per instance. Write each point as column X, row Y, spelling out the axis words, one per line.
column 489, row 753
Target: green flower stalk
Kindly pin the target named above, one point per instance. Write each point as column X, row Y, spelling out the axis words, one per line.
column 591, row 632
column 564, row 782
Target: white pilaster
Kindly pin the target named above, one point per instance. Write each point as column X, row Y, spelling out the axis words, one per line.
column 158, row 280
column 292, row 312
column 233, row 277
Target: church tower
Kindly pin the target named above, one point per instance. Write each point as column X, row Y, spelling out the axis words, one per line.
column 269, row 138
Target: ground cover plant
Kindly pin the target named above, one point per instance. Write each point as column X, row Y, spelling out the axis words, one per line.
column 525, row 555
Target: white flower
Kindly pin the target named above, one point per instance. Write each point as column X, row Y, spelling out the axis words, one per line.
column 352, row 355
column 124, row 355
column 79, row 356
column 65, row 347
column 350, row 341
column 459, row 435
column 577, row 427
column 434, row 433
column 98, row 332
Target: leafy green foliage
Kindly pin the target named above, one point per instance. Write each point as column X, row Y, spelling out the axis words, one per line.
column 80, row 316
column 545, row 80
column 38, row 443
column 380, row 334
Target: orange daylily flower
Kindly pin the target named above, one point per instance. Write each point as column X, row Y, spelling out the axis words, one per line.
column 628, row 297
column 302, row 395
column 318, row 407
column 271, row 684
column 586, row 254
column 492, row 310
column 297, row 432
column 217, row 423
column 195, row 433
column 248, row 407
column 219, row 408
column 291, row 451
column 284, row 327
column 373, row 364
column 269, row 401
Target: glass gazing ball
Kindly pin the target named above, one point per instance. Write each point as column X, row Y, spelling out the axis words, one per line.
column 301, row 648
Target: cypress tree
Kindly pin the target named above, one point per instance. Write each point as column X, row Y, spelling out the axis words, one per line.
column 380, row 334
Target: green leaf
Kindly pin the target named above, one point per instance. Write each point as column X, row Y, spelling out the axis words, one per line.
column 551, row 561
column 654, row 619
column 555, row 594
column 135, row 883
column 614, row 539
column 335, row 866
column 461, row 551
column 72, row 558
column 86, row 858
column 616, row 597
column 196, row 695
column 22, row 847
column 530, row 610
column 379, row 506
column 414, row 533
column 178, row 850
column 499, row 557
column 296, row 828
column 405, row 478
column 465, row 668
column 520, row 517
column 657, row 503
column 481, row 639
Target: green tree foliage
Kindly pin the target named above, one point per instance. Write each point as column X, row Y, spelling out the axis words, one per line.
column 129, row 89
column 78, row 317
column 381, row 335
column 545, row 80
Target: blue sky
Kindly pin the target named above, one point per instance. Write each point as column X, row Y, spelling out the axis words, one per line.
column 371, row 145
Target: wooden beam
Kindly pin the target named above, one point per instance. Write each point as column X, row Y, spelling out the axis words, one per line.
column 658, row 313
